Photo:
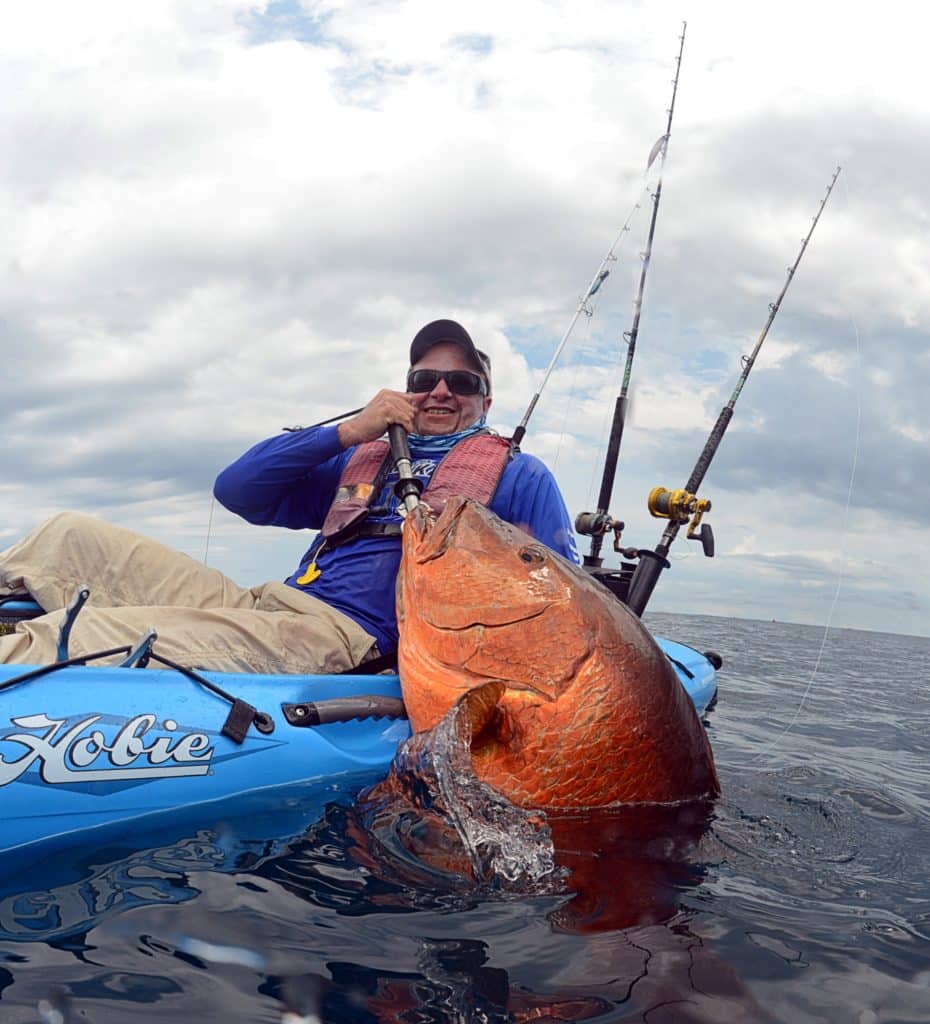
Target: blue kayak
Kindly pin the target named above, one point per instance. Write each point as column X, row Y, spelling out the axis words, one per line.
column 85, row 749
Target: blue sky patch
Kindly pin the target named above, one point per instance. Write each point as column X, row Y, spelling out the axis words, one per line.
column 705, row 361
column 535, row 344
column 473, row 43
column 282, row 20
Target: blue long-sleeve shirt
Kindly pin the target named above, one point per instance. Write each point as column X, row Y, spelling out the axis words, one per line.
column 290, row 480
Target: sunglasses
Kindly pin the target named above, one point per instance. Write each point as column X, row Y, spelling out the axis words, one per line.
column 459, row 382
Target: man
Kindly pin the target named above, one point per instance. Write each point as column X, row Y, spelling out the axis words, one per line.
column 337, row 609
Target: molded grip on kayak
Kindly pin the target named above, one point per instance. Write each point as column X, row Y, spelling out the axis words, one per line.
column 344, row 709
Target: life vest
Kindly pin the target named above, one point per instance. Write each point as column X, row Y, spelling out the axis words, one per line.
column 473, row 468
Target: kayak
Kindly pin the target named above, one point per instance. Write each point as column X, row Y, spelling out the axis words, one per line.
column 88, row 749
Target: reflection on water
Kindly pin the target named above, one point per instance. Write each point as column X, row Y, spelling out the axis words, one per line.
column 626, row 871
column 148, row 877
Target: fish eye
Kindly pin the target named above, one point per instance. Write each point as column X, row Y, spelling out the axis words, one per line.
column 532, row 554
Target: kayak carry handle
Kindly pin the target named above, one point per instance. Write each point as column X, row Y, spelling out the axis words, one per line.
column 343, row 709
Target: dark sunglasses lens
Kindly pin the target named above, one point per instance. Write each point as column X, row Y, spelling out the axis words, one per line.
column 459, row 382
column 422, row 380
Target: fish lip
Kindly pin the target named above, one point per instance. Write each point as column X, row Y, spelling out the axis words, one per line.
column 429, row 545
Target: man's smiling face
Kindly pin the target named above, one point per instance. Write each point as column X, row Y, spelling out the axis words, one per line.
column 441, row 411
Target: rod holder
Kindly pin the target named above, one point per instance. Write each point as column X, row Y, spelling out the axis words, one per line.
column 77, row 602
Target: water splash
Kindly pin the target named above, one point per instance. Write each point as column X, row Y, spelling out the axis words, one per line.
column 505, row 847
column 503, row 841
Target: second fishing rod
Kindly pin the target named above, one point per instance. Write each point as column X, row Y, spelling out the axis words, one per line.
column 684, row 507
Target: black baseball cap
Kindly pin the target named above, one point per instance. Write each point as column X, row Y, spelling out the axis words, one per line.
column 455, row 334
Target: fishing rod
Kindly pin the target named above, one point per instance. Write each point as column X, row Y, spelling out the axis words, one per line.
column 408, row 488
column 325, row 423
column 684, row 506
column 599, row 523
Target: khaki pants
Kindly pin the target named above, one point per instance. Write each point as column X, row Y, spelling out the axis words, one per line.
column 202, row 618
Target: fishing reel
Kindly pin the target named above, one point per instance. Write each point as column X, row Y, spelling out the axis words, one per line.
column 599, row 524
column 683, row 507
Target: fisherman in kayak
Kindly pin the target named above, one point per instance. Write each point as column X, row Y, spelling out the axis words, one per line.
column 336, row 610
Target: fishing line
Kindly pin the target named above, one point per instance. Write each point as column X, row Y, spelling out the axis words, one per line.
column 588, row 348
column 600, row 276
column 289, row 430
column 587, row 306
column 841, row 570
column 206, row 546
column 569, row 401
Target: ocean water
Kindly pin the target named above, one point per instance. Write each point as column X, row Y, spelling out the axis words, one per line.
column 803, row 895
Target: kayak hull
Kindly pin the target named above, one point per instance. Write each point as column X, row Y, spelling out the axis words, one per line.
column 83, row 749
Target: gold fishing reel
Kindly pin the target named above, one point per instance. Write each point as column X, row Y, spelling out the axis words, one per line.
column 683, row 507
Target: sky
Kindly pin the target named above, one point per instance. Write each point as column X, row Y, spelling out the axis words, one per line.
column 222, row 217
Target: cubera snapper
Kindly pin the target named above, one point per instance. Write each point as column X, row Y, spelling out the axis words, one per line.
column 572, row 703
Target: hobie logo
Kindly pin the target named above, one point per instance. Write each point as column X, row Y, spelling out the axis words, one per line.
column 82, row 753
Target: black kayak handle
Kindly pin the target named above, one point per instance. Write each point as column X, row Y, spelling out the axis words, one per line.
column 344, row 709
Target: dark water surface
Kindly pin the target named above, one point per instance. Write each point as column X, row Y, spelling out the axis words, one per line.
column 806, row 899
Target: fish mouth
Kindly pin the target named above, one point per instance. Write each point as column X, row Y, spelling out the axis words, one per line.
column 429, row 542
column 489, row 620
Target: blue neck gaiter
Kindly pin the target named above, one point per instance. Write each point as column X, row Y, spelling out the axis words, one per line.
column 423, row 446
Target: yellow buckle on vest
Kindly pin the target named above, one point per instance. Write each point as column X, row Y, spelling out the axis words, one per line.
column 312, row 572
column 310, row 575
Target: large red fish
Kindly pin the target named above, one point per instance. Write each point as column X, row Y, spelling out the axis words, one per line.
column 584, row 710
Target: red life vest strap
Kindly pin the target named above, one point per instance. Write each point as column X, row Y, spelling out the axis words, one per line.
column 473, row 468
column 359, row 484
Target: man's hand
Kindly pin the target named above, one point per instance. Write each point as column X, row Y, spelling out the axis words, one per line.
column 385, row 408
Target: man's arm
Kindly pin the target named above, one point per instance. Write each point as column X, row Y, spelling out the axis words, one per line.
column 287, row 480
column 290, row 479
